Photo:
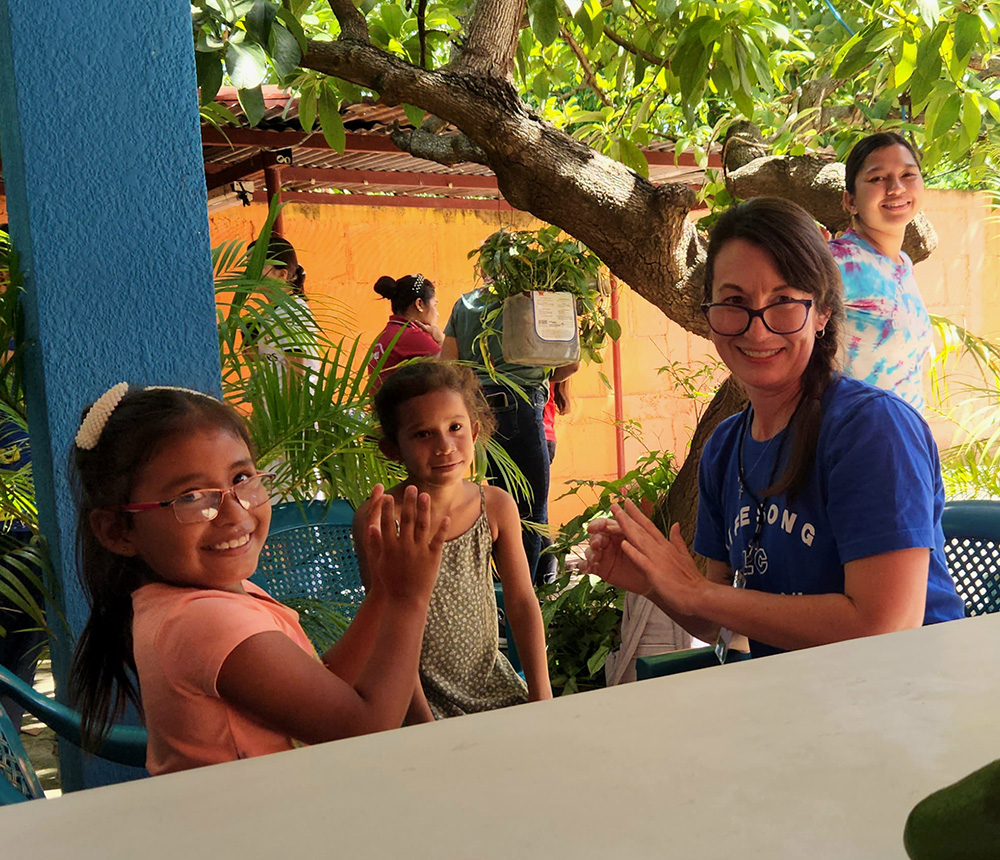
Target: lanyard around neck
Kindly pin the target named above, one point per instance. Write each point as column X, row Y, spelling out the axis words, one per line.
column 761, row 503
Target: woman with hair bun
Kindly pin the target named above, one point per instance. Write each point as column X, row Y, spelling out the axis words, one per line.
column 412, row 330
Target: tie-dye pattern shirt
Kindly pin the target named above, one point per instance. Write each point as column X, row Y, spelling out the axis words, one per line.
column 888, row 332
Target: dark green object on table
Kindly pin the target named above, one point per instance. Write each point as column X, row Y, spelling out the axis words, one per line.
column 959, row 822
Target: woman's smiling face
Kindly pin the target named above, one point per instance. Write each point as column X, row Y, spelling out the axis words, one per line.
column 746, row 275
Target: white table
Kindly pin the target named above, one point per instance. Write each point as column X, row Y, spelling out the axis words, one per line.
column 815, row 754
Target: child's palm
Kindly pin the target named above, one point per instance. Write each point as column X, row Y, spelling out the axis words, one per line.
column 406, row 555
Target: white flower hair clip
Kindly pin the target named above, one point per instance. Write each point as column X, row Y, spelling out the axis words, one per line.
column 92, row 425
column 418, row 282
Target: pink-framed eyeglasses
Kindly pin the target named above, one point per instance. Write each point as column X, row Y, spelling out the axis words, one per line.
column 199, row 506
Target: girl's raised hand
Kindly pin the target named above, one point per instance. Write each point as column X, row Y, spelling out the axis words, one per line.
column 405, row 556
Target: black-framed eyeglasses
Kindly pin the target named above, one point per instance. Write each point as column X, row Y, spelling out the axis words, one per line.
column 200, row 506
column 784, row 317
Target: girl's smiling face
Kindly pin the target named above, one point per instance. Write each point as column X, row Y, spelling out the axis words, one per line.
column 436, row 438
column 888, row 191
column 218, row 553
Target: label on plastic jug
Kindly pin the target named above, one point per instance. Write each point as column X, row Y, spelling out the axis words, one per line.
column 555, row 316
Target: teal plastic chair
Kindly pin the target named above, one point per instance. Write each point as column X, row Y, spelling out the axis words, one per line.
column 124, row 744
column 972, row 548
column 310, row 563
column 682, row 661
column 512, row 655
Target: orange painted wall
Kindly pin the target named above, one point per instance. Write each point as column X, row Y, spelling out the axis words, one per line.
column 346, row 248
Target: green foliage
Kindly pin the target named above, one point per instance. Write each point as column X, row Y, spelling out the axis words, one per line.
column 582, row 626
column 971, row 468
column 521, row 261
column 20, row 562
column 309, row 415
column 622, row 73
column 583, row 618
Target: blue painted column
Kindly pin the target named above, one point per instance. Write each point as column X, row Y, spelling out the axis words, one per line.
column 106, row 199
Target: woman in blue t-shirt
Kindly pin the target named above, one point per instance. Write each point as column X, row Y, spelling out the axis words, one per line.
column 822, row 500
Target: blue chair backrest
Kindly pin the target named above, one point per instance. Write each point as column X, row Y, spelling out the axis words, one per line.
column 18, row 780
column 972, row 547
column 309, row 559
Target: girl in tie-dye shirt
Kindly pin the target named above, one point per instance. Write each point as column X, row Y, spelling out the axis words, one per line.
column 888, row 331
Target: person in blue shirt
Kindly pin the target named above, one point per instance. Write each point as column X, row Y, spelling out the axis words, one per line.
column 822, row 500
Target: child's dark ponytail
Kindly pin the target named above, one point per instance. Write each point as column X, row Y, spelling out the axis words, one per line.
column 110, row 454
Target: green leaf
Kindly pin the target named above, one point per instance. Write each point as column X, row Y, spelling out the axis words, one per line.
column 972, row 117
column 285, row 52
column 330, row 120
column 307, row 109
column 252, row 102
column 544, row 18
column 631, row 156
column 947, row 115
column 967, row 30
column 415, row 115
column 613, row 328
column 586, row 25
column 246, row 65
column 929, row 11
column 928, row 69
column 294, row 27
column 907, row 62
column 258, row 21
column 665, row 10
column 393, row 17
column 209, row 68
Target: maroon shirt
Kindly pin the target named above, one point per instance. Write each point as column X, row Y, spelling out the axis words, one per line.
column 411, row 343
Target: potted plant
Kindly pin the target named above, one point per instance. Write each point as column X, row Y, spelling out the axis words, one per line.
column 549, row 297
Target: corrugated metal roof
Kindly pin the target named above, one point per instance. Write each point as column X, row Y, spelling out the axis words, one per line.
column 370, row 165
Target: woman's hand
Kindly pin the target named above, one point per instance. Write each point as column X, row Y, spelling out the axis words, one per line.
column 432, row 330
column 632, row 553
column 406, row 558
column 606, row 559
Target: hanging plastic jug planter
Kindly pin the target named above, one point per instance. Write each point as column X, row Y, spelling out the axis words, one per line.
column 541, row 329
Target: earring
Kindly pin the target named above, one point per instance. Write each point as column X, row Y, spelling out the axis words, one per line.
column 821, row 333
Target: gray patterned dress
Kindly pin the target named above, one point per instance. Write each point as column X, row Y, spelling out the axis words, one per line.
column 461, row 668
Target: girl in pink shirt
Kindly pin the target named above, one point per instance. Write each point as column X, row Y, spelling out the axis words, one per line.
column 173, row 517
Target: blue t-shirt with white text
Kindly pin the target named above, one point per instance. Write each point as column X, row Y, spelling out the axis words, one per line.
column 875, row 487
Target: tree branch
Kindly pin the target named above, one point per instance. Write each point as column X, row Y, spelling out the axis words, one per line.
column 352, row 22
column 652, row 59
column 638, row 229
column 588, row 71
column 444, row 149
column 491, row 38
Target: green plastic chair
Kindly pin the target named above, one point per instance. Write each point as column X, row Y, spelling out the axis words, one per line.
column 676, row 662
column 124, row 744
column 309, row 562
column 972, row 548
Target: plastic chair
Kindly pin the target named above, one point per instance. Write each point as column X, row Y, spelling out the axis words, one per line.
column 309, row 562
column 512, row 655
column 682, row 661
column 972, row 548
column 124, row 744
